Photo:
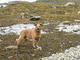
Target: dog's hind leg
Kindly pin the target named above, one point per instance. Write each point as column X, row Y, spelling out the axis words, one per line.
column 20, row 40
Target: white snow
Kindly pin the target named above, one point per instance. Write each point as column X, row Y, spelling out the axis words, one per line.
column 74, row 28
column 15, row 29
column 6, row 1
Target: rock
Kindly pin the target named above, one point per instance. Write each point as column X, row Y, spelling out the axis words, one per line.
column 70, row 54
column 69, row 3
column 22, row 15
column 1, row 40
column 33, row 54
column 11, row 47
column 78, row 12
column 35, row 18
column 53, row 6
column 10, row 57
column 39, row 48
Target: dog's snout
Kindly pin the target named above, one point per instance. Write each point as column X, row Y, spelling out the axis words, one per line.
column 38, row 29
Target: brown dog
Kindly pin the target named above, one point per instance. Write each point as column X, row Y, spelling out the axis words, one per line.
column 33, row 34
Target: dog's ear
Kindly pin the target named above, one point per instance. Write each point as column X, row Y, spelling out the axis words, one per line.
column 41, row 24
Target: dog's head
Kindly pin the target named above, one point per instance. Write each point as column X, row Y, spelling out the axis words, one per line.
column 38, row 26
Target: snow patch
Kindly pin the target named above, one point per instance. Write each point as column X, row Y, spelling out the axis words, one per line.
column 15, row 29
column 74, row 28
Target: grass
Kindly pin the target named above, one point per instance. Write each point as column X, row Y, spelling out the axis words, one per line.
column 12, row 12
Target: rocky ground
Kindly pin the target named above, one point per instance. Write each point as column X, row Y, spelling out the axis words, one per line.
column 71, row 54
column 53, row 42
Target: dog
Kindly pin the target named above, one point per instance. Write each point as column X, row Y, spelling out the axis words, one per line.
column 34, row 34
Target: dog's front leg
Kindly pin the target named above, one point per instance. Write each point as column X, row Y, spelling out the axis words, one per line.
column 37, row 45
column 34, row 43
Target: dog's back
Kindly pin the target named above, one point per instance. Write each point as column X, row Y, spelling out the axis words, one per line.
column 30, row 33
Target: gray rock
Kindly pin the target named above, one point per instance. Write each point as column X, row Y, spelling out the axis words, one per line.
column 1, row 40
column 70, row 54
column 11, row 47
